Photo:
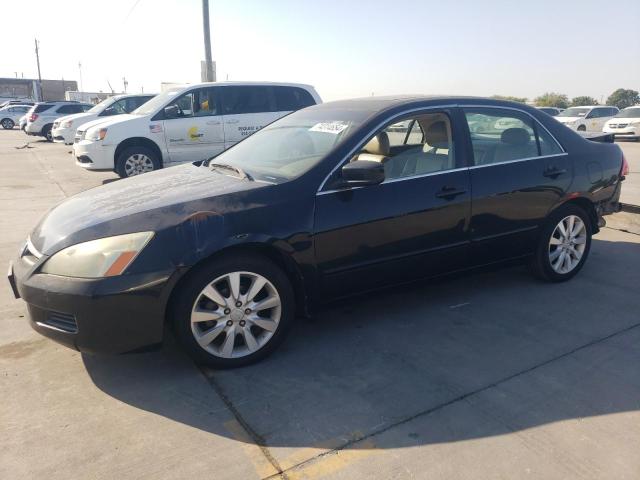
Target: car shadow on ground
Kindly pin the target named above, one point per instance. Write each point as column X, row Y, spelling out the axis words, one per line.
column 474, row 356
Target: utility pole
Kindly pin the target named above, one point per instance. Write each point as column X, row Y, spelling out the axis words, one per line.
column 80, row 69
column 207, row 42
column 39, row 77
column 125, row 83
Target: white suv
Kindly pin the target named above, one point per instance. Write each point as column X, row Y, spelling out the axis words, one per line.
column 64, row 128
column 590, row 118
column 42, row 115
column 186, row 124
column 10, row 115
column 625, row 124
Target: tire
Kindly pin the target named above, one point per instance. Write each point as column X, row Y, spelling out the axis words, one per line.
column 251, row 342
column 46, row 133
column 582, row 128
column 7, row 123
column 545, row 262
column 136, row 160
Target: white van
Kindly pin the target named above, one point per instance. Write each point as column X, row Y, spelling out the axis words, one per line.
column 590, row 118
column 186, row 124
column 625, row 124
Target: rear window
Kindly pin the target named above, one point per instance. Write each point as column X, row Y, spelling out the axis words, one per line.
column 42, row 108
column 292, row 98
column 246, row 99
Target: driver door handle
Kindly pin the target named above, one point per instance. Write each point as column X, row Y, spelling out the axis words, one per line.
column 449, row 193
column 213, row 122
column 553, row 172
column 231, row 122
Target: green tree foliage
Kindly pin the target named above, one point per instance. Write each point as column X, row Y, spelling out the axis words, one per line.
column 552, row 99
column 510, row 98
column 623, row 98
column 583, row 100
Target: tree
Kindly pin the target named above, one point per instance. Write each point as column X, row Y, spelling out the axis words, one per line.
column 583, row 100
column 623, row 98
column 510, row 98
column 552, row 99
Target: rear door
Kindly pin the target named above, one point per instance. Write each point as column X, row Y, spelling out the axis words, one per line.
column 414, row 224
column 246, row 109
column 197, row 132
column 518, row 174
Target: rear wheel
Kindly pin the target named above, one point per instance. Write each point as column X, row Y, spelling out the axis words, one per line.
column 234, row 312
column 7, row 123
column 136, row 160
column 46, row 133
column 564, row 244
column 582, row 128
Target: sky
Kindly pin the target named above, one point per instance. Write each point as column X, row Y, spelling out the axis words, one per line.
column 346, row 48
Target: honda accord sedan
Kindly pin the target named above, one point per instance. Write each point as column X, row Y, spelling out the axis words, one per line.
column 327, row 202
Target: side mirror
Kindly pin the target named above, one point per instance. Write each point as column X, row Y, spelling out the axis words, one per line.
column 363, row 172
column 171, row 111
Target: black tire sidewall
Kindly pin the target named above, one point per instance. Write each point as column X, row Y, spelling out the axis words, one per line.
column 542, row 264
column 198, row 279
column 127, row 152
column 46, row 133
column 6, row 121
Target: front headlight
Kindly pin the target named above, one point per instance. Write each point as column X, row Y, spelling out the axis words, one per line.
column 634, row 122
column 105, row 257
column 66, row 124
column 96, row 134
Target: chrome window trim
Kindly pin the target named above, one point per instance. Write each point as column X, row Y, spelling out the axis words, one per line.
column 366, row 138
column 521, row 111
column 518, row 160
column 33, row 249
column 439, row 107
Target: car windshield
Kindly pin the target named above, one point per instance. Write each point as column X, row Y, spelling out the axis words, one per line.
column 156, row 102
column 101, row 106
column 629, row 113
column 292, row 145
column 574, row 112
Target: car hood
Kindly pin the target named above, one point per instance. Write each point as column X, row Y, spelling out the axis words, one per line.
column 108, row 121
column 149, row 202
column 617, row 120
column 568, row 119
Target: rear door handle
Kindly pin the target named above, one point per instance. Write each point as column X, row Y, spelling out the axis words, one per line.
column 449, row 193
column 231, row 122
column 553, row 172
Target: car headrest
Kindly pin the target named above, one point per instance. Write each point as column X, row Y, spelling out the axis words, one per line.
column 378, row 145
column 437, row 135
column 515, row 136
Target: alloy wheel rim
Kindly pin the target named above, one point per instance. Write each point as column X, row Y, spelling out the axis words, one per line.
column 137, row 163
column 236, row 314
column 567, row 244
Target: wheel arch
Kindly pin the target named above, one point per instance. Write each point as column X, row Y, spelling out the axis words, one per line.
column 586, row 205
column 133, row 141
column 287, row 264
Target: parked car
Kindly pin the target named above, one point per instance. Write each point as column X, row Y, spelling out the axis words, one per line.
column 186, row 124
column 18, row 101
column 43, row 114
column 316, row 206
column 625, row 124
column 588, row 118
column 553, row 111
column 10, row 115
column 64, row 128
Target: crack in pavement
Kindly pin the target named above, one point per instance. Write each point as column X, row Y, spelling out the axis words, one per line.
column 282, row 473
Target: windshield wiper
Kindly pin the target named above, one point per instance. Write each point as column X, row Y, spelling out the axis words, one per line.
column 238, row 170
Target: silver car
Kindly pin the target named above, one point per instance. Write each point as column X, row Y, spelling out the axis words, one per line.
column 11, row 114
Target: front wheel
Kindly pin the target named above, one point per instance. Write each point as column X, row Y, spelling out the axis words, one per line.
column 582, row 128
column 564, row 244
column 46, row 132
column 7, row 124
column 234, row 311
column 136, row 160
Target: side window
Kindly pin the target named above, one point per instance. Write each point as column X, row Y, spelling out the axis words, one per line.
column 205, row 102
column 414, row 146
column 135, row 102
column 503, row 135
column 596, row 113
column 291, row 98
column 246, row 99
column 64, row 109
column 612, row 112
column 184, row 105
column 116, row 108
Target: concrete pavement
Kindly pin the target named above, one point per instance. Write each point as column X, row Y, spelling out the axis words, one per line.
column 490, row 375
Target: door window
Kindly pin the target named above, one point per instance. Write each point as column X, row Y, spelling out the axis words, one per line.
column 503, row 135
column 205, row 102
column 291, row 98
column 247, row 99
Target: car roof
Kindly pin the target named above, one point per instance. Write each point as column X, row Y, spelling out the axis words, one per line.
column 129, row 95
column 242, row 83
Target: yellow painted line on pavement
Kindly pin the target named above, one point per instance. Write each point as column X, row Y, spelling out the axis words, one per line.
column 263, row 467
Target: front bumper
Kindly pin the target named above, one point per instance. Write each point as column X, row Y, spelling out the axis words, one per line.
column 94, row 155
column 628, row 132
column 109, row 315
column 63, row 135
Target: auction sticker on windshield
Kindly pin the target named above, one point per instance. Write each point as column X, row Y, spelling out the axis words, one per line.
column 329, row 127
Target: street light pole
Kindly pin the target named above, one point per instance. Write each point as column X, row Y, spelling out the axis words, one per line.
column 39, row 77
column 207, row 42
column 80, row 69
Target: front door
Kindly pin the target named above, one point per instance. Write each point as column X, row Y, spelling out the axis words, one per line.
column 197, row 132
column 414, row 224
column 519, row 173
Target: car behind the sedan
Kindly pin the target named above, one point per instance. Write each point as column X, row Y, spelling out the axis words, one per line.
column 330, row 201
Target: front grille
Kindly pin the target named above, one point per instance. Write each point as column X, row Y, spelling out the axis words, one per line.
column 62, row 321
